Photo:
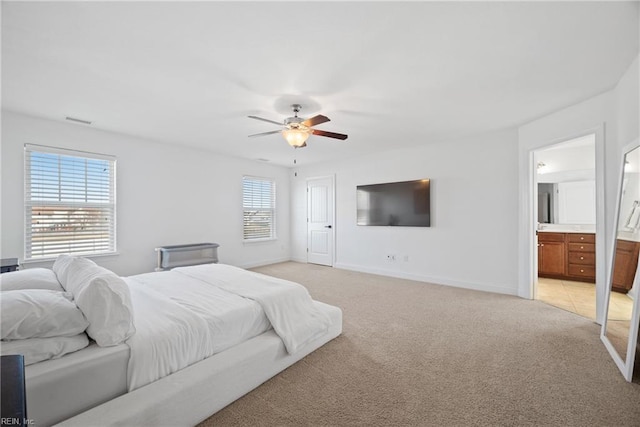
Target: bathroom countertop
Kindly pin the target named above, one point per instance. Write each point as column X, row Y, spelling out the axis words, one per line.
column 628, row 235
column 568, row 229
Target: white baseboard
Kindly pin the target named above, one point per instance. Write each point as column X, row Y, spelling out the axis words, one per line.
column 434, row 280
column 400, row 275
column 265, row 262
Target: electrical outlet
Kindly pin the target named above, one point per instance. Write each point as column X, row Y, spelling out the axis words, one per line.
column 391, row 257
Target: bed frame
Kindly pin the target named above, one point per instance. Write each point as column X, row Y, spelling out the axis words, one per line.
column 193, row 394
column 60, row 388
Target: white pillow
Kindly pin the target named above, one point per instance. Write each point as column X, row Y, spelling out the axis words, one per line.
column 104, row 299
column 61, row 267
column 38, row 349
column 31, row 278
column 79, row 272
column 108, row 301
column 39, row 313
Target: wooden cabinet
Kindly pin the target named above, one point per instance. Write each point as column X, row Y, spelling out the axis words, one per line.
column 581, row 256
column 551, row 254
column 626, row 263
column 570, row 256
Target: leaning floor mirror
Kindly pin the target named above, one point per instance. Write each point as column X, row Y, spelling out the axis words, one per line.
column 620, row 326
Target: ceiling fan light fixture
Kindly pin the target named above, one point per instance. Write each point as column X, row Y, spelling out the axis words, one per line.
column 297, row 129
column 295, row 137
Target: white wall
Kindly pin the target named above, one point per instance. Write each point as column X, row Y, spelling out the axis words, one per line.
column 561, row 160
column 472, row 240
column 627, row 105
column 166, row 194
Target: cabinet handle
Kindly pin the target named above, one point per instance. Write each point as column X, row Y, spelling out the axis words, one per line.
column 581, row 247
column 581, row 271
column 582, row 238
column 541, row 244
column 581, row 257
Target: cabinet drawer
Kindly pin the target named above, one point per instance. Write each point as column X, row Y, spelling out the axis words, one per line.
column 550, row 237
column 625, row 245
column 582, row 270
column 581, row 238
column 582, row 247
column 582, row 258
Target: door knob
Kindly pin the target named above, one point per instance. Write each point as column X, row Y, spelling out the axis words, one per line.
column 327, row 226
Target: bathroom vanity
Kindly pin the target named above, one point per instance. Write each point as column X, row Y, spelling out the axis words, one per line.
column 572, row 256
column 567, row 255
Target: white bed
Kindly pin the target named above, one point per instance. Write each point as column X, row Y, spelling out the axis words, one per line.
column 221, row 321
column 191, row 395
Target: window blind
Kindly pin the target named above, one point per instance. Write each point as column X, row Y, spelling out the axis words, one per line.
column 259, row 206
column 70, row 203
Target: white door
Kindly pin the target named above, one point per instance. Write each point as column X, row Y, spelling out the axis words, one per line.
column 320, row 214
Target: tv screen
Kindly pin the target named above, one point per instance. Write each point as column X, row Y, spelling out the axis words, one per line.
column 403, row 204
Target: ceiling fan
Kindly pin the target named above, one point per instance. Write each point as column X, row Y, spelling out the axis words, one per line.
column 297, row 130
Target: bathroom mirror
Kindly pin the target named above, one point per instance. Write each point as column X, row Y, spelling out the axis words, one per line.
column 620, row 326
column 566, row 176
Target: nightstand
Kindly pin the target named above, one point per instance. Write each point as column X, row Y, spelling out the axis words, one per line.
column 8, row 264
column 14, row 400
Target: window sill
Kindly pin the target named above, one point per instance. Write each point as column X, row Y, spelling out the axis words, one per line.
column 50, row 259
column 269, row 239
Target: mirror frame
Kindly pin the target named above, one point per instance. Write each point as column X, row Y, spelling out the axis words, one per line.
column 626, row 365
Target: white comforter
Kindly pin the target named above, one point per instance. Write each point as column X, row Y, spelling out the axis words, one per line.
column 188, row 314
column 288, row 305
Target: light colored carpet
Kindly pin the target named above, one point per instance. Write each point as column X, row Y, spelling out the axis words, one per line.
column 418, row 354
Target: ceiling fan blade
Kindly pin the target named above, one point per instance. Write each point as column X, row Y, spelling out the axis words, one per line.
column 329, row 134
column 266, row 120
column 265, row 133
column 316, row 120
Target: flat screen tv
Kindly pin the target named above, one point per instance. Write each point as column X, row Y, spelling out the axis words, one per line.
column 397, row 204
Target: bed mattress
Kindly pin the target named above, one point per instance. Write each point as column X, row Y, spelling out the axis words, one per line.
column 189, row 396
column 59, row 388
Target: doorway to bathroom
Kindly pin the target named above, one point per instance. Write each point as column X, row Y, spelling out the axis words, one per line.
column 565, row 178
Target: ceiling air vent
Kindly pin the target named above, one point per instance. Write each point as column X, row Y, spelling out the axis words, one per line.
column 73, row 119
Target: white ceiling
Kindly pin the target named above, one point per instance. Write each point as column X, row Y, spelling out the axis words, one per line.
column 388, row 74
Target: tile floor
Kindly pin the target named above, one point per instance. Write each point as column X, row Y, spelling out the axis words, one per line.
column 580, row 298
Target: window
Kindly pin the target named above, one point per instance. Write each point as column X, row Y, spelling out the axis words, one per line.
column 70, row 203
column 259, row 208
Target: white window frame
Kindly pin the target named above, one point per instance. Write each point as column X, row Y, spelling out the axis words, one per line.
column 251, row 205
column 98, row 192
